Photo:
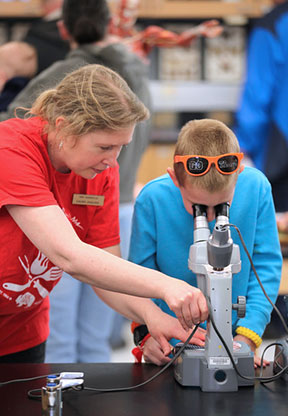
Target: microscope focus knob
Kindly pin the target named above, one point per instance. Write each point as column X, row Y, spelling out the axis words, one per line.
column 240, row 306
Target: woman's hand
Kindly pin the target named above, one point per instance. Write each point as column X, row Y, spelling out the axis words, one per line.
column 187, row 302
column 162, row 328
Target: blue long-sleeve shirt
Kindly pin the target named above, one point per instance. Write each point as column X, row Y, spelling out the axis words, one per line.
column 261, row 124
column 162, row 233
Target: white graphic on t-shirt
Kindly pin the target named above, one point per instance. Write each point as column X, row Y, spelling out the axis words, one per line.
column 38, row 270
column 25, row 300
column 72, row 219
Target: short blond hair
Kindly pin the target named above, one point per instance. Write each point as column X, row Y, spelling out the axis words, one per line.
column 91, row 98
column 205, row 137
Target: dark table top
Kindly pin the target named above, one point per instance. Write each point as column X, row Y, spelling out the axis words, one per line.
column 162, row 397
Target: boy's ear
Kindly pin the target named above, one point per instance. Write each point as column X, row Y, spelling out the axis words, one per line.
column 172, row 175
column 242, row 167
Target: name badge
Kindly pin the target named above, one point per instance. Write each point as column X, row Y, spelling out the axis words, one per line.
column 83, row 199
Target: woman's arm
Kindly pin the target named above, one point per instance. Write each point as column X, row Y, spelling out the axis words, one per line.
column 51, row 232
column 161, row 326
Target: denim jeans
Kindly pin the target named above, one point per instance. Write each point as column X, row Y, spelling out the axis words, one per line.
column 80, row 323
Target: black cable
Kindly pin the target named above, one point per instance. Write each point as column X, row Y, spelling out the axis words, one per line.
column 255, row 378
column 277, row 356
column 33, row 396
column 257, row 277
column 263, row 354
column 20, row 380
column 151, row 378
column 260, row 378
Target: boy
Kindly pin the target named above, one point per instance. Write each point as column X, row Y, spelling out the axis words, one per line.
column 163, row 224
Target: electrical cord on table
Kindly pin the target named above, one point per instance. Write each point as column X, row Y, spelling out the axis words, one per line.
column 154, row 376
column 20, row 380
column 32, row 393
column 260, row 378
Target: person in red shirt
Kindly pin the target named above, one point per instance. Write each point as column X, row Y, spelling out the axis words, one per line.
column 59, row 202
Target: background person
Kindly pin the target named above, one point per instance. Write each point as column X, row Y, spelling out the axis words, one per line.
column 40, row 47
column 261, row 118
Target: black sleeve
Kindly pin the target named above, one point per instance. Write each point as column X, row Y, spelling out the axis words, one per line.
column 139, row 334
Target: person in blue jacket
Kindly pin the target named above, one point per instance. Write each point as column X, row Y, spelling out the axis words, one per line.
column 261, row 118
column 162, row 230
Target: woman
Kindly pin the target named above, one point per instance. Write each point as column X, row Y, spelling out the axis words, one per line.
column 59, row 212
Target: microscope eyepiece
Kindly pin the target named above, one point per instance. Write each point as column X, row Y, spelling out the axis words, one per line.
column 199, row 210
column 222, row 209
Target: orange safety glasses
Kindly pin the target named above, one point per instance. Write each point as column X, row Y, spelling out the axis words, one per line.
column 197, row 165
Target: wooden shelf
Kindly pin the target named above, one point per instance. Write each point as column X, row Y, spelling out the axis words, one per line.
column 158, row 9
column 161, row 9
column 32, row 8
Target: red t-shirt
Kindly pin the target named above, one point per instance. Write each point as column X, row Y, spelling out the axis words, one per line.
column 28, row 178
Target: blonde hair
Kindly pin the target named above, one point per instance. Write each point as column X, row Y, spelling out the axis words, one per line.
column 205, row 137
column 91, row 98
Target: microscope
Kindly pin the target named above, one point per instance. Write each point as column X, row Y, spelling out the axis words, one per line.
column 214, row 259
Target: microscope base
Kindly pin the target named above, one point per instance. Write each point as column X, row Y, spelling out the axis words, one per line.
column 191, row 369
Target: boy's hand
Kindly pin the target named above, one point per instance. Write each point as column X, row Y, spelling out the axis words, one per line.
column 187, row 302
column 162, row 328
column 153, row 353
column 252, row 346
